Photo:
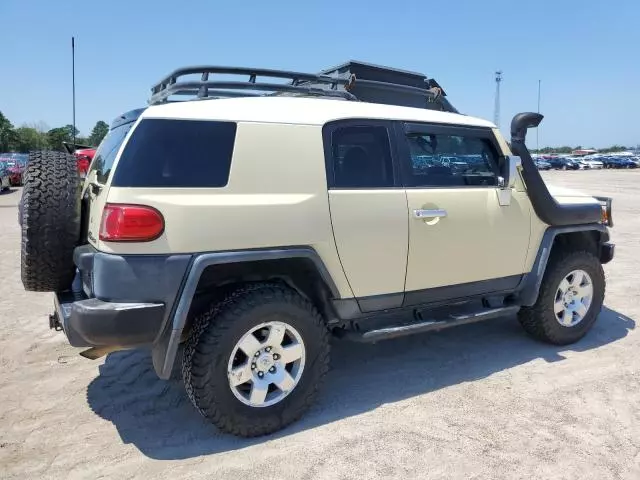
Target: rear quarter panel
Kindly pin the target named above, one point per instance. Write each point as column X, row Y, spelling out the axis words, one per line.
column 276, row 197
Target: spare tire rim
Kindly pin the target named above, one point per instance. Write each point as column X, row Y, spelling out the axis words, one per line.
column 266, row 364
column 573, row 298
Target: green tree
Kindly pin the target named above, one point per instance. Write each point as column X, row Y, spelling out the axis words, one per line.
column 29, row 138
column 56, row 136
column 614, row 148
column 99, row 131
column 7, row 134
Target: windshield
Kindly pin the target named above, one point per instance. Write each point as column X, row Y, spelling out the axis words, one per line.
column 107, row 151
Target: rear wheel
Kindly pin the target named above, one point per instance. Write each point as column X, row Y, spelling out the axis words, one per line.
column 50, row 219
column 254, row 362
column 570, row 299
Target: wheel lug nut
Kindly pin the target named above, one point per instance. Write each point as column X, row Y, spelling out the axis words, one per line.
column 253, row 366
column 272, row 370
column 260, row 374
column 257, row 354
column 268, row 349
column 276, row 356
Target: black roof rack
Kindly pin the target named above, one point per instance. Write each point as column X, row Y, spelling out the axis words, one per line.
column 349, row 81
column 380, row 84
column 302, row 83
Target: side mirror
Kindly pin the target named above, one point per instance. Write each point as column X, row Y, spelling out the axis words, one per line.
column 512, row 163
column 512, row 166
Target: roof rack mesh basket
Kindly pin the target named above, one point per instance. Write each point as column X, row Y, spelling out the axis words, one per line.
column 378, row 84
column 349, row 81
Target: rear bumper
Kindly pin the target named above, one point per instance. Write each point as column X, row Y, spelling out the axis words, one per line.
column 119, row 300
column 92, row 322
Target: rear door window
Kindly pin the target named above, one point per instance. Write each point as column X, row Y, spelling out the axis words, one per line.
column 360, row 158
column 177, row 153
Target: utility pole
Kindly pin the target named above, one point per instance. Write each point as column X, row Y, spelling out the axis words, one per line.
column 496, row 108
column 73, row 85
column 538, row 127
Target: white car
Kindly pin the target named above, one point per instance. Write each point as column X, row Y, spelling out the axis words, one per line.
column 591, row 163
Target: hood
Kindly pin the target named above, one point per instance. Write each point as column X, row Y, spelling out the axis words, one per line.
column 567, row 196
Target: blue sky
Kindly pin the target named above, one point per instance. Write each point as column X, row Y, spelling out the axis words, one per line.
column 585, row 52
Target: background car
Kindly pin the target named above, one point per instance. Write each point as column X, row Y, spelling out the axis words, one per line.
column 626, row 162
column 84, row 155
column 5, row 177
column 591, row 163
column 17, row 167
column 618, row 162
column 543, row 164
column 610, row 162
column 563, row 163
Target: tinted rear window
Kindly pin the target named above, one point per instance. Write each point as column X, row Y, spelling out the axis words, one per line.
column 107, row 151
column 177, row 153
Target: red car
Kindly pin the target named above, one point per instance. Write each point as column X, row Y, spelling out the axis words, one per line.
column 84, row 155
column 15, row 165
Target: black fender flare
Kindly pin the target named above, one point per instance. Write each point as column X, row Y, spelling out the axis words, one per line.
column 166, row 348
column 530, row 285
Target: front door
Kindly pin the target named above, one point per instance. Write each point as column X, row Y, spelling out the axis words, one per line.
column 462, row 242
column 368, row 211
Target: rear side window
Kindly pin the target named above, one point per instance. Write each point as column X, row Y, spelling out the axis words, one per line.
column 361, row 157
column 107, row 151
column 177, row 153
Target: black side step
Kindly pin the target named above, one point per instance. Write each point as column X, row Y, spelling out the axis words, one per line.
column 370, row 336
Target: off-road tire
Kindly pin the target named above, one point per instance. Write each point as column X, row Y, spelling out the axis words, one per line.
column 539, row 320
column 50, row 219
column 212, row 339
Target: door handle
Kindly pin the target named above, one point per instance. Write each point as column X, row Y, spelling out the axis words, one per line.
column 436, row 213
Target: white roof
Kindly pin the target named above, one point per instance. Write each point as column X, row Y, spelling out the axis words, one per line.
column 301, row 110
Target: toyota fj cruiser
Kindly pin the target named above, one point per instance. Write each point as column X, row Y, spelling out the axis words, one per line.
column 253, row 224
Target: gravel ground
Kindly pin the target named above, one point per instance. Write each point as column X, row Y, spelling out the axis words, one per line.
column 479, row 401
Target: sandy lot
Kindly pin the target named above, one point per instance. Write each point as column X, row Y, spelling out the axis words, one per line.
column 480, row 401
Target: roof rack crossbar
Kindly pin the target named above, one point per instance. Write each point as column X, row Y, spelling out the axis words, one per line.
column 211, row 93
column 201, row 90
column 173, row 85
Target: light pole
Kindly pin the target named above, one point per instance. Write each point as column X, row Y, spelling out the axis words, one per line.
column 538, row 128
column 496, row 107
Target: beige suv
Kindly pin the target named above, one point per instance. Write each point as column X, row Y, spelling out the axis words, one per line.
column 354, row 203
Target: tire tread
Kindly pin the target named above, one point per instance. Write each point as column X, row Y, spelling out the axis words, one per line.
column 209, row 331
column 535, row 319
column 50, row 221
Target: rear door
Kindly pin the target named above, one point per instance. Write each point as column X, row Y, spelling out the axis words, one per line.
column 368, row 210
column 462, row 242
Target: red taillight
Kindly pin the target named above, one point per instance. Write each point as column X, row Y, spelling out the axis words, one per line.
column 130, row 223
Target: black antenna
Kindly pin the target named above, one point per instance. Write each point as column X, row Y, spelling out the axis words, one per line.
column 73, row 80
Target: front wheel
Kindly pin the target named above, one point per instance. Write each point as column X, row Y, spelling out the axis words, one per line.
column 570, row 299
column 254, row 362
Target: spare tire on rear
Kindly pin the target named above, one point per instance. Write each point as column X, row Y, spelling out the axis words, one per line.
column 50, row 219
